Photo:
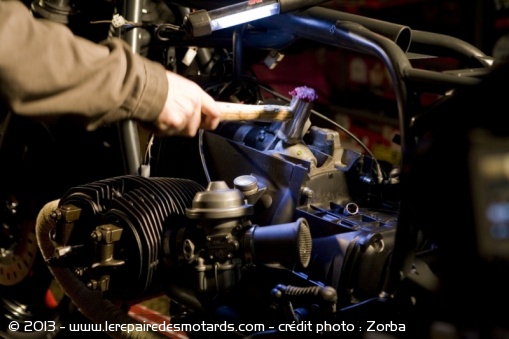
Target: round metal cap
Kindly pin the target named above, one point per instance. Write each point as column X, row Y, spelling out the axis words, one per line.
column 219, row 201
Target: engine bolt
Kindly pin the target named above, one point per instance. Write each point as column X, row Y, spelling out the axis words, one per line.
column 261, row 136
column 56, row 214
column 307, row 192
column 96, row 235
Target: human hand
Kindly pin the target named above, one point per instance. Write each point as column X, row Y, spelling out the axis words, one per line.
column 188, row 108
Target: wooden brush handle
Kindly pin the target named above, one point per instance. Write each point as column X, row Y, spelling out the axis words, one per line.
column 234, row 111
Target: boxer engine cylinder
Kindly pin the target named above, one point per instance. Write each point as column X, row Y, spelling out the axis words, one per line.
column 124, row 235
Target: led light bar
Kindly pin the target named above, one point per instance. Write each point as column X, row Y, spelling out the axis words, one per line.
column 202, row 22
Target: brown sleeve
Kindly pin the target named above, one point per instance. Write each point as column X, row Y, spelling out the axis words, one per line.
column 45, row 71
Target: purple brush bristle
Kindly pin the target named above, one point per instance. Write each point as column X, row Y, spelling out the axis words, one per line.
column 304, row 93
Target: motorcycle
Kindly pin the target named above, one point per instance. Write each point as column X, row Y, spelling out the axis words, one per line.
column 270, row 226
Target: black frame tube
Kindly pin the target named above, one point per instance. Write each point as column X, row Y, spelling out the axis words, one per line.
column 128, row 129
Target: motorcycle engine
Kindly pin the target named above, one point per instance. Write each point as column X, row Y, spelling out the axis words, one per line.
column 300, row 219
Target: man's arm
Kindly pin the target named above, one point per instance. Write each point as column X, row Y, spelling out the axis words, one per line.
column 45, row 71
